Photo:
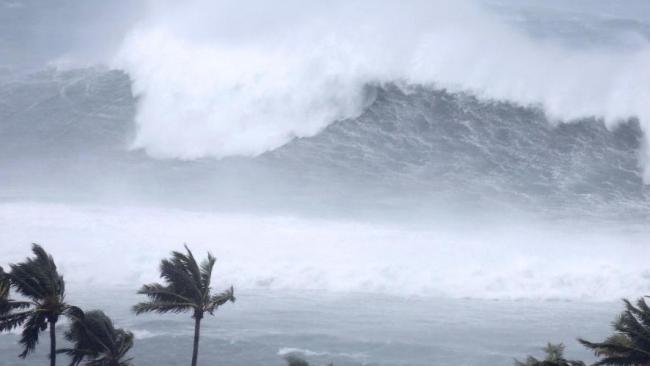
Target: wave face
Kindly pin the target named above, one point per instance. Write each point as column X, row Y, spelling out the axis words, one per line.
column 437, row 144
column 412, row 148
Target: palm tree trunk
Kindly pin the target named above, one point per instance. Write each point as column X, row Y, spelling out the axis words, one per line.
column 197, row 334
column 52, row 344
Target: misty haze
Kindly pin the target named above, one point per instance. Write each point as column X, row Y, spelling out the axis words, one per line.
column 380, row 182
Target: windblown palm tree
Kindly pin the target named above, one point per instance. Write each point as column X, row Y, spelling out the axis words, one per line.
column 187, row 288
column 554, row 357
column 95, row 339
column 38, row 281
column 630, row 343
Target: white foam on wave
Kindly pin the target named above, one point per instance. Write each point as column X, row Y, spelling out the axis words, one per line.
column 289, row 350
column 123, row 247
column 146, row 334
column 285, row 351
column 240, row 78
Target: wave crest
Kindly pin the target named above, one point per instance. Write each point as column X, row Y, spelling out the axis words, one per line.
column 210, row 86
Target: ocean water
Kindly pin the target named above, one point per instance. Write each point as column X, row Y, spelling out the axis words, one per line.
column 351, row 329
column 383, row 183
column 352, row 294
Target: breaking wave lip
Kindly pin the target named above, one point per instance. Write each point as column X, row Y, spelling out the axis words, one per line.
column 207, row 91
column 415, row 148
column 430, row 143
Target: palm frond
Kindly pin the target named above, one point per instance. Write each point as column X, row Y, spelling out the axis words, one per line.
column 159, row 292
column 13, row 320
column 617, row 361
column 4, row 284
column 191, row 264
column 615, row 344
column 37, row 277
column 295, row 360
column 162, row 307
column 35, row 324
column 630, row 343
column 25, row 282
column 554, row 357
column 206, row 270
column 176, row 274
column 73, row 312
column 220, row 299
column 643, row 312
column 530, row 361
column 96, row 340
column 76, row 355
column 629, row 322
column 124, row 342
column 8, row 305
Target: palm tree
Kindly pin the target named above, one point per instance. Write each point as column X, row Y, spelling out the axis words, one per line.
column 630, row 343
column 554, row 357
column 95, row 339
column 187, row 288
column 38, row 281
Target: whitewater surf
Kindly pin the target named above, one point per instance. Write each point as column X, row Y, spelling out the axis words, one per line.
column 383, row 183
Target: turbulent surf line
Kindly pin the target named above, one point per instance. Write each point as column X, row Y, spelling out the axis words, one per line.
column 530, row 261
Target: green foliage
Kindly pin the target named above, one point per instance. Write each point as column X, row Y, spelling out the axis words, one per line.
column 630, row 343
column 95, row 339
column 187, row 287
column 38, row 281
column 554, row 357
column 7, row 305
column 37, row 278
column 295, row 360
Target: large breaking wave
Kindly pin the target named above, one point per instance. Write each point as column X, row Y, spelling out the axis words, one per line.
column 415, row 148
column 211, row 85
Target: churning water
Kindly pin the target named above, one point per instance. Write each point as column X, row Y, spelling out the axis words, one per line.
column 383, row 183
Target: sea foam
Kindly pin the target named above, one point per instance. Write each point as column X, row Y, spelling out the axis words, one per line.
column 118, row 247
column 222, row 79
